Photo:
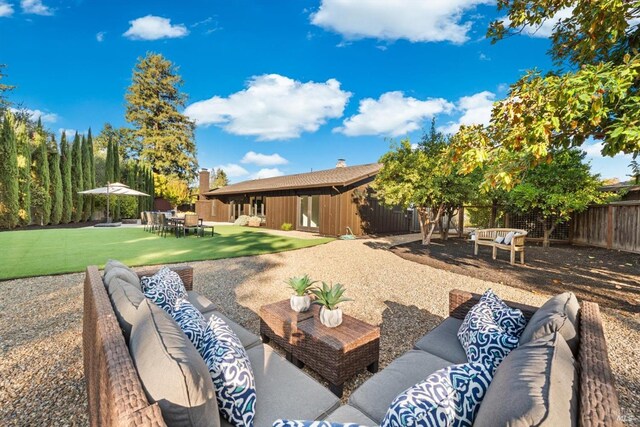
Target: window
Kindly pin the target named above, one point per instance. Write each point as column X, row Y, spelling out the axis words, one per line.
column 257, row 206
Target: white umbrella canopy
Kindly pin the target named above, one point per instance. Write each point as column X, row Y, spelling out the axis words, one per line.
column 114, row 189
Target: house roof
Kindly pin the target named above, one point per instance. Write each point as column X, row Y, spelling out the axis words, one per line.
column 336, row 177
column 626, row 185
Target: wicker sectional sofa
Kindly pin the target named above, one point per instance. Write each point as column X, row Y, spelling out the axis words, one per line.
column 117, row 398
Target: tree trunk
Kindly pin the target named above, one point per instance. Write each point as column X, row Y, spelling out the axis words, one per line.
column 427, row 223
column 546, row 239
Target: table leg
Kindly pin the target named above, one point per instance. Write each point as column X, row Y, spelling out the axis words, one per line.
column 336, row 389
column 373, row 368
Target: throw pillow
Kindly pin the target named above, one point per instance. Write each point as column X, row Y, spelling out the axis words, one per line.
column 296, row 423
column 449, row 397
column 115, row 263
column 231, row 373
column 191, row 321
column 125, row 299
column 510, row 319
column 164, row 289
column 499, row 239
column 483, row 340
column 122, row 273
column 508, row 238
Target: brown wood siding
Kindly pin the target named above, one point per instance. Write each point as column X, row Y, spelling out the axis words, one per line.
column 612, row 227
column 212, row 210
column 281, row 209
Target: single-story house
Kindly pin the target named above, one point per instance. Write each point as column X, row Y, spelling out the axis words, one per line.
column 324, row 202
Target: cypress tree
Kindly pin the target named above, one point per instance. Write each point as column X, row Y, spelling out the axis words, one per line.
column 9, row 190
column 152, row 190
column 92, row 172
column 116, row 176
column 40, row 180
column 86, row 179
column 65, row 172
column 57, row 198
column 24, row 174
column 109, row 163
column 77, row 179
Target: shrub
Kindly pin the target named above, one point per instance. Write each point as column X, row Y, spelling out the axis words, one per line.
column 242, row 220
column 286, row 226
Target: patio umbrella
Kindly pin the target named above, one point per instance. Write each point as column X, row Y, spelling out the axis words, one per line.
column 114, row 189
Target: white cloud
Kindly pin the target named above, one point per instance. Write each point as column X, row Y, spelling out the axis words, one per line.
column 100, row 36
column 71, row 133
column 392, row 114
column 35, row 7
column 475, row 109
column 6, row 9
column 264, row 159
column 545, row 30
column 416, row 21
column 233, row 170
column 273, row 107
column 267, row 173
column 154, row 28
column 593, row 148
column 38, row 114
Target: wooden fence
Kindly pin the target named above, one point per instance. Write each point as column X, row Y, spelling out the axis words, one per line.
column 615, row 226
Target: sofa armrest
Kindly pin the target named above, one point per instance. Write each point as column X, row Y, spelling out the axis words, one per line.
column 598, row 397
column 460, row 302
column 184, row 271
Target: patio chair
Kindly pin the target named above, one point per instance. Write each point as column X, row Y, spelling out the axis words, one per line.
column 192, row 222
column 166, row 225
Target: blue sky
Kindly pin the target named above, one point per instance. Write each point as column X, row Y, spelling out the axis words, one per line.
column 275, row 87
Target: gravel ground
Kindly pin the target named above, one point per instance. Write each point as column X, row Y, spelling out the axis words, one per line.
column 41, row 380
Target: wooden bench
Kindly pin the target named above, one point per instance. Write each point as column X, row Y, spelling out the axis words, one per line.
column 488, row 236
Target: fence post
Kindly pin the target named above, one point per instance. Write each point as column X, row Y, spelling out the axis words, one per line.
column 609, row 227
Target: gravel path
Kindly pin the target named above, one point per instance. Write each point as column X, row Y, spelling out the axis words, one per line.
column 41, row 379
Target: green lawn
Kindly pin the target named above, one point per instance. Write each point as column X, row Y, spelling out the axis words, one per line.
column 54, row 251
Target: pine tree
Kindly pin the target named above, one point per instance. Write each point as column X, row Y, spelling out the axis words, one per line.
column 65, row 172
column 40, row 179
column 9, row 190
column 77, row 180
column 24, row 174
column 86, row 179
column 153, row 103
column 57, row 198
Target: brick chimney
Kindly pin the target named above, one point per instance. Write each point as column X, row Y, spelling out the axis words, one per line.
column 205, row 176
column 341, row 163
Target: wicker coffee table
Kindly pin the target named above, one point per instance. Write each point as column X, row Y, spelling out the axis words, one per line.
column 336, row 354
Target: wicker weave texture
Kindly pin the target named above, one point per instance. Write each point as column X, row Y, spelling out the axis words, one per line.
column 597, row 394
column 115, row 395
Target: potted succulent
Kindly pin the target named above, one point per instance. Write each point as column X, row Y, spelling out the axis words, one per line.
column 329, row 297
column 300, row 300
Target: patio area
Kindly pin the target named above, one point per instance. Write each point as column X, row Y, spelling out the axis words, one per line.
column 41, row 365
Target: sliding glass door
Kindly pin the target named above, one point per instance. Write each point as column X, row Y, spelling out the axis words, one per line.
column 309, row 213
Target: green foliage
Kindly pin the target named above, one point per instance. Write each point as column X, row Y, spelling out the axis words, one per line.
column 558, row 189
column 24, row 174
column 4, row 89
column 426, row 179
column 65, row 173
column 55, row 190
column 40, row 180
column 77, row 179
column 218, row 179
column 174, row 190
column 153, row 103
column 286, row 226
column 87, row 154
column 117, row 214
column 129, row 145
column 635, row 171
column 330, row 296
column 9, row 190
column 300, row 285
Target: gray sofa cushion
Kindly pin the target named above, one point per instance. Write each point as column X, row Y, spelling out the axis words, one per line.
column 171, row 370
column 115, row 263
column 376, row 394
column 536, row 385
column 248, row 339
column 443, row 341
column 349, row 414
column 559, row 313
column 284, row 391
column 125, row 299
column 122, row 273
column 202, row 303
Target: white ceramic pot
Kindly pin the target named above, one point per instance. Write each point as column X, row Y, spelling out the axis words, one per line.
column 300, row 303
column 330, row 318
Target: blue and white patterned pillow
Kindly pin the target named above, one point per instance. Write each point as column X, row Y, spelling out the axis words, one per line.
column 510, row 319
column 191, row 321
column 231, row 373
column 164, row 289
column 296, row 423
column 449, row 397
column 483, row 340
